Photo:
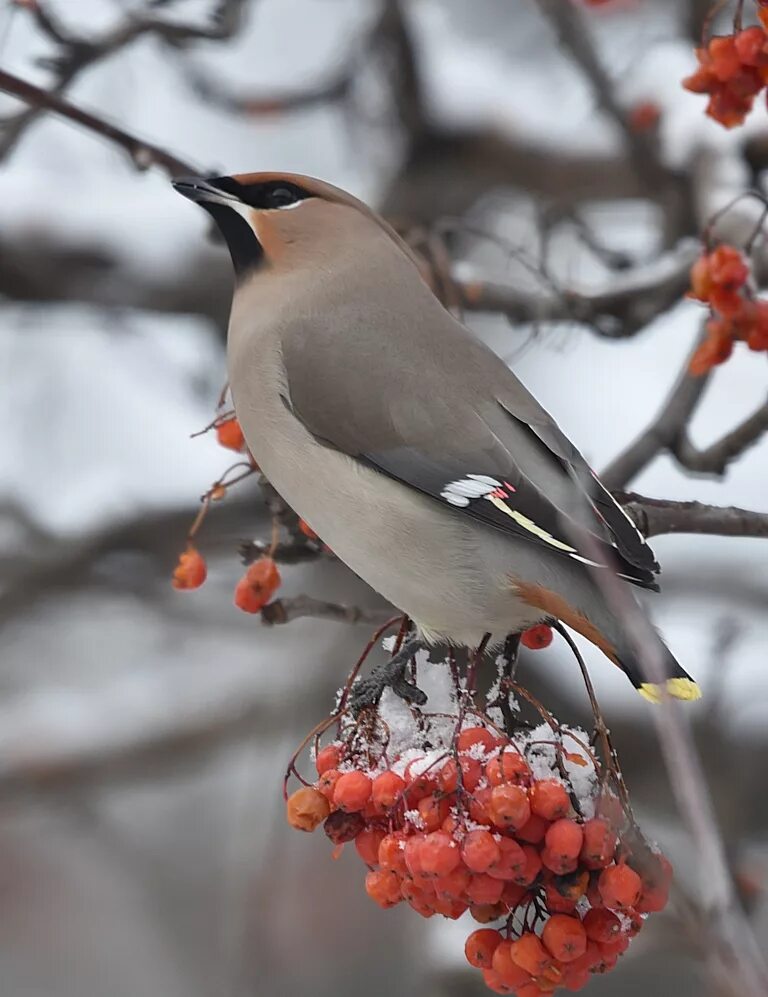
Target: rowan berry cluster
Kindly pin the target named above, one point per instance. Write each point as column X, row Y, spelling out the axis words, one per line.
column 719, row 278
column 515, row 829
column 733, row 69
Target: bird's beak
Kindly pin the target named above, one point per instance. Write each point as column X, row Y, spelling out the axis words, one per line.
column 202, row 191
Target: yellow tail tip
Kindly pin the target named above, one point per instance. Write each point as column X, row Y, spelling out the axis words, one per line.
column 679, row 688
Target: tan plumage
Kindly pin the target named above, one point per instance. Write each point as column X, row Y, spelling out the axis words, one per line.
column 400, row 438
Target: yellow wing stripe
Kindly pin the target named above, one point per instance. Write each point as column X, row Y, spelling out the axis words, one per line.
column 529, row 525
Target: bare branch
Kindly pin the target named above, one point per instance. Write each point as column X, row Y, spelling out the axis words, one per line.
column 78, row 53
column 716, row 458
column 665, row 429
column 334, row 89
column 143, row 154
column 302, row 606
column 658, row 516
column 625, row 307
column 575, row 39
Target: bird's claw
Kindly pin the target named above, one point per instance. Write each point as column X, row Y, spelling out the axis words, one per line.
column 389, row 675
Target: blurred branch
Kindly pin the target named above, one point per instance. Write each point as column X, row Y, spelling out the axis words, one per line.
column 76, row 53
column 658, row 516
column 334, row 89
column 668, row 433
column 716, row 457
column 569, row 24
column 302, row 606
column 662, row 434
column 143, row 154
column 631, row 301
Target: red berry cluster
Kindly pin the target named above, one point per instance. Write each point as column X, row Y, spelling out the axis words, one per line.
column 719, row 279
column 733, row 69
column 491, row 827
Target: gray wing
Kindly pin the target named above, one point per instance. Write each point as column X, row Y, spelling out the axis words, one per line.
column 439, row 412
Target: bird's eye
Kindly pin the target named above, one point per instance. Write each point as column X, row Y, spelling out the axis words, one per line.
column 281, row 197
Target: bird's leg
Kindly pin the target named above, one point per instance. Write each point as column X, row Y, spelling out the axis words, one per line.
column 389, row 674
column 509, row 669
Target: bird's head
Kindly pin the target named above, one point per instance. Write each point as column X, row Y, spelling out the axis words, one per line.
column 274, row 219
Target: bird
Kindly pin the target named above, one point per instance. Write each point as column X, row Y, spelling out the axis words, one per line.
column 405, row 442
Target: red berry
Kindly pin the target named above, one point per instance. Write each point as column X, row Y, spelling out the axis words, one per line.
column 509, row 807
column 559, row 864
column 529, row 954
column 599, row 844
column 342, row 827
column 230, row 435
column 479, row 851
column 383, row 886
column 479, row 806
column 307, row 530
column 454, row 884
column 619, row 886
column 529, row 872
column 448, row 777
column 549, row 799
column 495, row 983
column 307, row 808
column 438, row 854
column 352, row 791
column 480, row 946
column 471, row 772
column 616, row 946
column 556, row 903
column 483, row 889
column 509, row 766
column 565, row 937
column 392, row 853
column 507, row 969
column 386, row 790
column 537, row 637
column 513, row 894
column 367, row 844
column 191, row 570
column 565, row 838
column 533, row 831
column 511, row 863
column 328, row 758
column 652, row 900
column 257, row 587
column 433, row 810
column 487, row 913
column 476, row 735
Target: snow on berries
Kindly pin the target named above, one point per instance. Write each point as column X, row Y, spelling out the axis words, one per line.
column 720, row 279
column 517, row 827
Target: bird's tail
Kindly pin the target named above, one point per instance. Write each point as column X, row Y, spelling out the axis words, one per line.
column 679, row 683
column 602, row 629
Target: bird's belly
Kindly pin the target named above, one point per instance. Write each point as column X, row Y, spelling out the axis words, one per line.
column 424, row 559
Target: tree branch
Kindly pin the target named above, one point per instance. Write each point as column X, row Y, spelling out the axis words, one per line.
column 302, row 606
column 716, row 457
column 143, row 154
column 662, row 433
column 655, row 517
column 630, row 302
column 78, row 53
column 575, row 40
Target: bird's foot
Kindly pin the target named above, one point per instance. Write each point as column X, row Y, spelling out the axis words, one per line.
column 389, row 675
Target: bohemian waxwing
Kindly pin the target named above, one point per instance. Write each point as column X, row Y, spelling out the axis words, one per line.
column 403, row 441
